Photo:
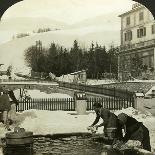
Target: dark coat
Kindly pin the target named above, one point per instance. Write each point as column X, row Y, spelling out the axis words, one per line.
column 137, row 131
column 4, row 103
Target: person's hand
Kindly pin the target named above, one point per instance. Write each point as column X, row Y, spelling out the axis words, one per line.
column 92, row 129
column 89, row 127
column 96, row 126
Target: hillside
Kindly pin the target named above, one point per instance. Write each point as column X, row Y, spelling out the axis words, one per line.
column 12, row 51
column 12, row 26
column 95, row 29
column 29, row 24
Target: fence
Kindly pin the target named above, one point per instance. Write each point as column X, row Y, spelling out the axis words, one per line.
column 68, row 104
column 111, row 103
column 98, row 90
column 47, row 104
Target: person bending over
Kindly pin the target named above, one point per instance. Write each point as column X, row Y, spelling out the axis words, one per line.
column 110, row 120
column 134, row 130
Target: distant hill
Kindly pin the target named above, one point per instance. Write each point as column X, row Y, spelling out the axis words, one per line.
column 12, row 26
column 98, row 29
column 29, row 24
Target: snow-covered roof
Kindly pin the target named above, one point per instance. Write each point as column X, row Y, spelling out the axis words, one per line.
column 78, row 72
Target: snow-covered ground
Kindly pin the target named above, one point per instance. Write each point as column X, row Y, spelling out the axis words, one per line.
column 99, row 82
column 108, row 81
column 38, row 94
column 52, row 122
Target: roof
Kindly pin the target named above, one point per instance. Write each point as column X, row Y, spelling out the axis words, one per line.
column 78, row 72
column 134, row 9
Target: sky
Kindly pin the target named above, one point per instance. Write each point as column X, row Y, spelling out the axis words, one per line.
column 69, row 11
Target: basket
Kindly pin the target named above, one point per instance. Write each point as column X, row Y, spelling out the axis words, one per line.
column 19, row 137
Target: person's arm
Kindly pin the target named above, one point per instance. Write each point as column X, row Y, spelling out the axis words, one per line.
column 106, row 115
column 126, row 137
column 102, row 124
column 12, row 96
column 96, row 119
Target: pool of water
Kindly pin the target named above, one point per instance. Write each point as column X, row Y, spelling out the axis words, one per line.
column 73, row 145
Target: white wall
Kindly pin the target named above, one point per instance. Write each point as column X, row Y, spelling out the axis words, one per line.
column 135, row 24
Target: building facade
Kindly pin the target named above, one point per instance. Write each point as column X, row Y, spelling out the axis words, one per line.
column 137, row 50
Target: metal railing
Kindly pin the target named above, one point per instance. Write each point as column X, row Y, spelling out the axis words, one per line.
column 113, row 92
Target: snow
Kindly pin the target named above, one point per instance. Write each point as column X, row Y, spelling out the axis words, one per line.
column 138, row 80
column 150, row 92
column 99, row 82
column 37, row 94
column 66, row 78
column 30, row 82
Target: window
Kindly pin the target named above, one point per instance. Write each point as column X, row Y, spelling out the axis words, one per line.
column 141, row 32
column 141, row 16
column 128, row 36
column 128, row 21
column 153, row 29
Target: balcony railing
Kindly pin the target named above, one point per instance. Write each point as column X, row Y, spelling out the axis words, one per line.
column 137, row 45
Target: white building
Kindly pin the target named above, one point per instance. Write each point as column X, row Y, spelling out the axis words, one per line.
column 137, row 50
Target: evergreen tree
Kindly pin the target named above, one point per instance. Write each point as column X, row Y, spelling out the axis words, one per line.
column 136, row 65
column 75, row 55
column 52, row 58
column 113, row 59
column 58, row 60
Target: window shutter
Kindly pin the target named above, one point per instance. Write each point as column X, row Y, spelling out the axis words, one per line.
column 125, row 36
column 144, row 31
column 131, row 35
column 137, row 33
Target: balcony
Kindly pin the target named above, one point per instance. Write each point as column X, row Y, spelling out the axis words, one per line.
column 144, row 44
